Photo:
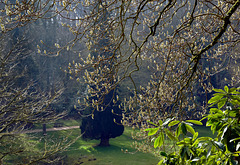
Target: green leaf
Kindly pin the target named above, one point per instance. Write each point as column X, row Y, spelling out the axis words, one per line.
column 232, row 90
column 214, row 127
column 184, row 128
column 238, row 152
column 226, row 89
column 170, row 135
column 216, row 110
column 160, row 162
column 222, row 102
column 162, row 137
column 187, row 140
column 152, row 131
column 181, row 143
column 225, row 133
column 159, row 141
column 160, row 122
column 195, row 122
column 235, row 97
column 163, row 154
column 152, row 123
column 219, row 94
column 235, row 92
column 235, row 139
column 190, row 129
column 167, row 121
column 219, row 90
column 235, row 100
column 195, row 142
column 203, row 118
column 172, row 123
column 195, row 135
column 238, row 146
column 214, row 99
column 204, row 139
column 178, row 131
column 196, row 159
column 219, row 145
column 232, row 114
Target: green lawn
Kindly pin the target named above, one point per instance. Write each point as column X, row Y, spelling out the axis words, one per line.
column 84, row 152
column 204, row 131
column 112, row 155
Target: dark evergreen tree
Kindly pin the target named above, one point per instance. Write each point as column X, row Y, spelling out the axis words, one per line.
column 104, row 124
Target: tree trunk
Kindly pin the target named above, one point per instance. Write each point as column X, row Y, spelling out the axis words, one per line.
column 104, row 142
column 44, row 129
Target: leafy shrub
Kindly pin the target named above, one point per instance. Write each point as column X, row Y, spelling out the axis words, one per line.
column 223, row 118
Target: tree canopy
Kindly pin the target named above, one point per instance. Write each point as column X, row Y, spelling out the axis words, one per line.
column 104, row 124
column 188, row 47
column 28, row 92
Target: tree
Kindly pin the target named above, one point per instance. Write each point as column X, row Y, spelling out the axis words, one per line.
column 183, row 42
column 21, row 104
column 23, row 101
column 105, row 120
column 187, row 45
column 104, row 124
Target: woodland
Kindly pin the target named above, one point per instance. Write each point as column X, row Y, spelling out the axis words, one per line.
column 160, row 68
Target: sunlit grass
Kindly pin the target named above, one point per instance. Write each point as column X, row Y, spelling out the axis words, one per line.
column 89, row 153
column 110, row 155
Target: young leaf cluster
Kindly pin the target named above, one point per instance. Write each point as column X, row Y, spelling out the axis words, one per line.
column 192, row 149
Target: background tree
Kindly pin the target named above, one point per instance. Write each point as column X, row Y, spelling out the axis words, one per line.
column 185, row 44
column 181, row 50
column 105, row 120
column 25, row 97
column 104, row 123
column 22, row 103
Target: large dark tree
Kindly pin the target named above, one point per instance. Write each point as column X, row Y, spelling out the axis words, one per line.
column 104, row 124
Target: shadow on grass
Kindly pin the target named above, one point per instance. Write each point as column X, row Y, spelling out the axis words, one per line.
column 88, row 152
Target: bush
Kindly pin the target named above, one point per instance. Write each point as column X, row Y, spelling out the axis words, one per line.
column 223, row 118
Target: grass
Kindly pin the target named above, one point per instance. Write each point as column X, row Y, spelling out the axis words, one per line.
column 84, row 152
column 204, row 131
column 111, row 155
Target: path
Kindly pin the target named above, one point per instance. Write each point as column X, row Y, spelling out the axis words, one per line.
column 50, row 129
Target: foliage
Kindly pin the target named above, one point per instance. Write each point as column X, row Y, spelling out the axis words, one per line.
column 22, row 103
column 105, row 120
column 104, row 124
column 223, row 118
column 188, row 45
column 190, row 48
column 24, row 99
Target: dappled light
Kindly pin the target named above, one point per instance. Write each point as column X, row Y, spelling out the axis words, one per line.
column 127, row 82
